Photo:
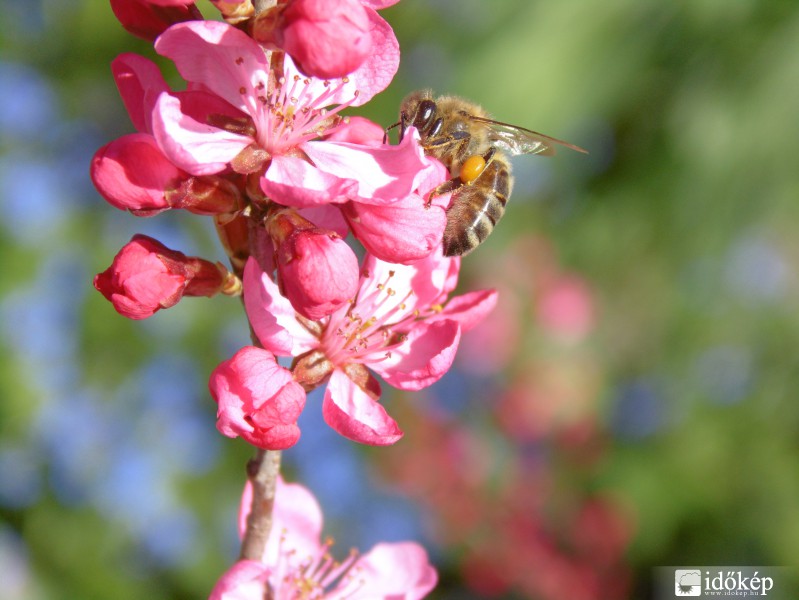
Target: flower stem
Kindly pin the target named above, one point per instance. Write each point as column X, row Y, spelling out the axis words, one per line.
column 262, row 471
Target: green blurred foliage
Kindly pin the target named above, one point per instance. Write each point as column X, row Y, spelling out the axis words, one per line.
column 683, row 219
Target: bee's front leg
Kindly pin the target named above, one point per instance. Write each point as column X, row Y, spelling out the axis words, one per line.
column 450, row 185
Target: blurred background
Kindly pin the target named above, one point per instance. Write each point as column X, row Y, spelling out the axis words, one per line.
column 630, row 404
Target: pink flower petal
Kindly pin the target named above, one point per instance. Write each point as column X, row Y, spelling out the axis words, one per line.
column 292, row 181
column 357, row 130
column 194, row 146
column 132, row 173
column 391, row 572
column 403, row 232
column 296, row 524
column 357, row 416
column 140, row 83
column 426, row 278
column 422, row 359
column 220, row 57
column 326, row 217
column 245, row 580
column 272, row 317
column 258, row 399
column 379, row 68
column 469, row 309
column 384, row 174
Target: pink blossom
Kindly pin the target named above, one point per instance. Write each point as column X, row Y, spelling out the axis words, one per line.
column 399, row 325
column 406, row 230
column 148, row 18
column 132, row 173
column 245, row 580
column 565, row 308
column 284, row 119
column 146, row 276
column 317, row 270
column 297, row 564
column 258, row 399
column 272, row 127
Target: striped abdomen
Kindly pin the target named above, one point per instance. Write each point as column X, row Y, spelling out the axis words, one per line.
column 476, row 208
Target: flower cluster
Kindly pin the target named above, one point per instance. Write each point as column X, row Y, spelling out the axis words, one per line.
column 330, row 233
column 261, row 146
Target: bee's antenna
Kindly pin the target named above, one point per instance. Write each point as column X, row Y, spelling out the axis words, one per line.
column 404, row 127
column 402, row 124
column 389, row 128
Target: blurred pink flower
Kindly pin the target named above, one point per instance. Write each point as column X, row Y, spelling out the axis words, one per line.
column 494, row 343
column 398, row 325
column 565, row 308
column 297, row 564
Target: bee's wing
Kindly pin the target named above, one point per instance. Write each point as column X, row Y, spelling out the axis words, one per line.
column 518, row 140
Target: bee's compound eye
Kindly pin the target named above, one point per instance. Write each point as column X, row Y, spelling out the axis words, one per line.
column 471, row 168
column 424, row 113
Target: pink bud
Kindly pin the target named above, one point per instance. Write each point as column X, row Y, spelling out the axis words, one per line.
column 258, row 399
column 326, row 38
column 147, row 19
column 132, row 173
column 318, row 271
column 146, row 276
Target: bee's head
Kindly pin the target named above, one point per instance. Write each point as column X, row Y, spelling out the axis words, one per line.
column 418, row 109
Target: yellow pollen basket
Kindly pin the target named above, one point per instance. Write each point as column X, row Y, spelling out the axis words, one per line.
column 471, row 168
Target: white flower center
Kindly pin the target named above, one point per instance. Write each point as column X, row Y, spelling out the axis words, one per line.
column 369, row 324
column 293, row 111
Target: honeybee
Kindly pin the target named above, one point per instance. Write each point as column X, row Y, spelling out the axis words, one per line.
column 475, row 149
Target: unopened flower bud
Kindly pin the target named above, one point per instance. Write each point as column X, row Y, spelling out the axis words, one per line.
column 317, row 270
column 258, row 399
column 132, row 173
column 147, row 19
column 326, row 38
column 146, row 276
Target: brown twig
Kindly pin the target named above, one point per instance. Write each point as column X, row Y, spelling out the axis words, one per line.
column 262, row 471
